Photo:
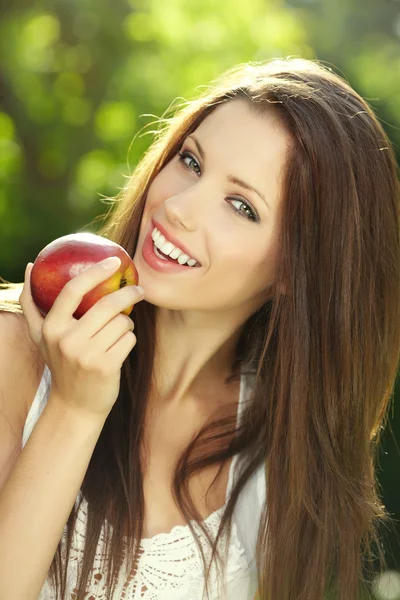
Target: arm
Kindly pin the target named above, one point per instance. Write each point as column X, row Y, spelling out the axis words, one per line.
column 38, row 496
column 85, row 358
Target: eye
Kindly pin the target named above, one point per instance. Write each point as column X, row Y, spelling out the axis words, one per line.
column 251, row 215
column 183, row 156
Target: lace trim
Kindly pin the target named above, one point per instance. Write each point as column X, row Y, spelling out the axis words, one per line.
column 169, row 567
column 147, row 543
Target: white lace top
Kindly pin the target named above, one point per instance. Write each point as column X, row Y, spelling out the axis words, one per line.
column 170, row 565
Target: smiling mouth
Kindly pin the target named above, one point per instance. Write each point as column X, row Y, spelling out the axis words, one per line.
column 159, row 261
column 174, row 253
column 161, row 254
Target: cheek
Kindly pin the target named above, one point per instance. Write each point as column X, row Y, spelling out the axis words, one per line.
column 246, row 267
column 233, row 265
column 243, row 253
column 152, row 194
column 156, row 194
column 162, row 187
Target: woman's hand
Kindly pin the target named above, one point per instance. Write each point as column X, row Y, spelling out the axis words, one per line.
column 84, row 356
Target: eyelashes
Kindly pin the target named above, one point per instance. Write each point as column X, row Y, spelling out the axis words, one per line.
column 185, row 154
column 251, row 215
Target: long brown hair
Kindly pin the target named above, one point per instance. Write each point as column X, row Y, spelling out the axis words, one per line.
column 324, row 354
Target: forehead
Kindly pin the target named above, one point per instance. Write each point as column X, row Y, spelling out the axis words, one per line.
column 246, row 144
column 238, row 118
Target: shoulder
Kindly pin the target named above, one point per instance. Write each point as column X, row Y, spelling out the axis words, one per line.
column 21, row 367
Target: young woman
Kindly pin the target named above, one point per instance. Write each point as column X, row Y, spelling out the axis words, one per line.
column 231, row 440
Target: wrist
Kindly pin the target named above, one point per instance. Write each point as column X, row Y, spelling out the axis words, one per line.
column 77, row 416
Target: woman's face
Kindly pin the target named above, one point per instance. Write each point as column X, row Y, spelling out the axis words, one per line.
column 229, row 228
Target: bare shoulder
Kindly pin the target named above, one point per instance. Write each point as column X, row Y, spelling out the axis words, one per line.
column 21, row 367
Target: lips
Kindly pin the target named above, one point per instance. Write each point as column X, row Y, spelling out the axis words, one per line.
column 174, row 241
column 161, row 265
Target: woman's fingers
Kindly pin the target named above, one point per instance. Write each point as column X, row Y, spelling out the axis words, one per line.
column 85, row 355
column 31, row 312
column 61, row 313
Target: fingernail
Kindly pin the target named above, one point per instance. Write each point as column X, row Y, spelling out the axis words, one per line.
column 111, row 263
column 140, row 289
column 28, row 268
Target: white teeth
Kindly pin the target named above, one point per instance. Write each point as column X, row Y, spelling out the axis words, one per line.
column 167, row 248
column 170, row 250
column 159, row 241
column 183, row 258
column 158, row 253
column 175, row 253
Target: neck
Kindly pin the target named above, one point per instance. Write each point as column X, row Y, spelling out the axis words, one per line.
column 192, row 357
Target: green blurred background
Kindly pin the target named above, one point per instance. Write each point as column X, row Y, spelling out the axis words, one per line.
column 82, row 82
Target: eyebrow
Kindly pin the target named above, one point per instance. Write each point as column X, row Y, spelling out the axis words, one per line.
column 231, row 178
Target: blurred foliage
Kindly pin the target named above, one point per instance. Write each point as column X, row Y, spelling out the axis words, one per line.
column 81, row 78
column 82, row 82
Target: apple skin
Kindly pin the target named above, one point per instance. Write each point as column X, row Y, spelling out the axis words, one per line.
column 67, row 256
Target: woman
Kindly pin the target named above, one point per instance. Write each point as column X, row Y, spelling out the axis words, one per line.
column 249, row 401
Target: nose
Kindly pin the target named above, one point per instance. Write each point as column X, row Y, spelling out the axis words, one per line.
column 179, row 209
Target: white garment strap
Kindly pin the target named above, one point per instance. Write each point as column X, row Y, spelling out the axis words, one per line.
column 38, row 404
column 251, row 501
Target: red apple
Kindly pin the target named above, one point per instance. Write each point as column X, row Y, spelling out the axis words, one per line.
column 66, row 257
